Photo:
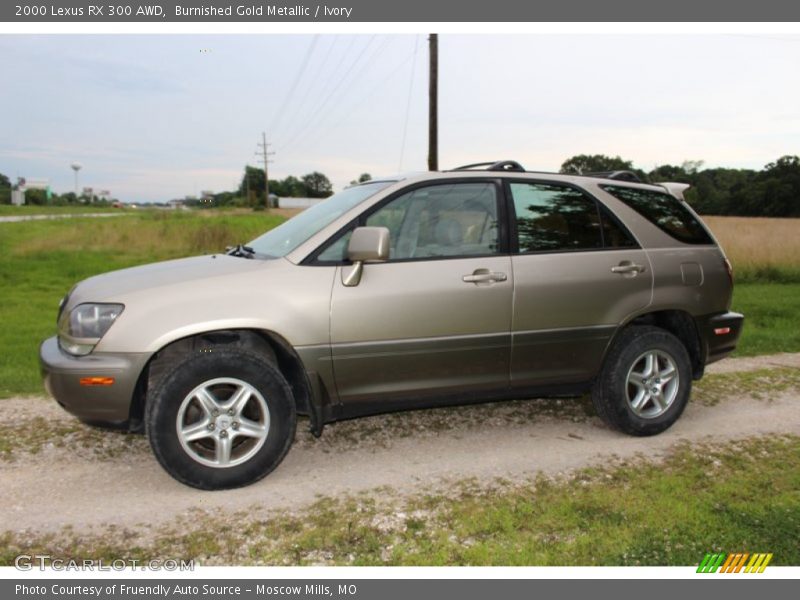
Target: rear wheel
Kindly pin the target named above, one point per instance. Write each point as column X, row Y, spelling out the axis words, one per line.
column 221, row 419
column 645, row 382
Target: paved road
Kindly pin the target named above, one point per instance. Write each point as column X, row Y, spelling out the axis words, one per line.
column 19, row 218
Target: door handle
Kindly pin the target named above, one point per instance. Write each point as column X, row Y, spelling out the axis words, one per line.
column 627, row 267
column 484, row 276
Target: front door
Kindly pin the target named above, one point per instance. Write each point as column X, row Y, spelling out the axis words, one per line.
column 435, row 319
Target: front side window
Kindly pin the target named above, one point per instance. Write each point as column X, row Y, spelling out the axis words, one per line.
column 445, row 220
column 556, row 218
column 665, row 212
column 336, row 251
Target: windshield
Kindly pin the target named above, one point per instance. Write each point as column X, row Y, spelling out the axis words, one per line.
column 289, row 235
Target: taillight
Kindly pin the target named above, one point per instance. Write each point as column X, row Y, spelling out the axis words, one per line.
column 729, row 269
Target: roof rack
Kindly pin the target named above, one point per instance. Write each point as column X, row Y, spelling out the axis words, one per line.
column 499, row 165
column 514, row 166
column 618, row 175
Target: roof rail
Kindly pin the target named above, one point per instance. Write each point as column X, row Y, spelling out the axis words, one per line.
column 618, row 175
column 499, row 165
column 514, row 166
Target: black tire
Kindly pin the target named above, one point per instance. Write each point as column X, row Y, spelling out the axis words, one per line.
column 612, row 391
column 164, row 406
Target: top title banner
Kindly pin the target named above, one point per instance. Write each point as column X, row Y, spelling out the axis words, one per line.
column 407, row 11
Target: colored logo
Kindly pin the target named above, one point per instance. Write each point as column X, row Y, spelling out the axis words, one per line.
column 734, row 563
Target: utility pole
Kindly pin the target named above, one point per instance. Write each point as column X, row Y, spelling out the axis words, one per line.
column 433, row 102
column 264, row 153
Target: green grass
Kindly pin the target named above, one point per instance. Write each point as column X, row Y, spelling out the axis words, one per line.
column 772, row 317
column 768, row 274
column 42, row 260
column 739, row 497
column 760, row 384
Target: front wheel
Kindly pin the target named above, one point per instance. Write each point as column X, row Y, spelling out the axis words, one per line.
column 645, row 382
column 221, row 419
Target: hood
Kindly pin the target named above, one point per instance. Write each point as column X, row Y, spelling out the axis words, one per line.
column 116, row 284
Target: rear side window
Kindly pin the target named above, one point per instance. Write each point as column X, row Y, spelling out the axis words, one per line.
column 558, row 218
column 664, row 211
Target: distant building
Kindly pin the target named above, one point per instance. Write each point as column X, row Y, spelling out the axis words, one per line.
column 24, row 184
column 299, row 202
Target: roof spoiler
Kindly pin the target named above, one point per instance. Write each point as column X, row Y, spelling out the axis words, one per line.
column 676, row 189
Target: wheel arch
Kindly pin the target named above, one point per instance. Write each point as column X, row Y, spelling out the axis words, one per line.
column 679, row 323
column 273, row 347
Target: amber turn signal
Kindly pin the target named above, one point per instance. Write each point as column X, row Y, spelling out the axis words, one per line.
column 97, row 381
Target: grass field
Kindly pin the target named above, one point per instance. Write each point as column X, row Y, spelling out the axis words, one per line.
column 761, row 250
column 43, row 259
column 737, row 497
column 772, row 317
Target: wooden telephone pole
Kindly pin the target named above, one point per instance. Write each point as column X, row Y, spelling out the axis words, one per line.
column 264, row 153
column 433, row 103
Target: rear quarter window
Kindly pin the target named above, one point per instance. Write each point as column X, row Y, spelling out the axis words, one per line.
column 664, row 211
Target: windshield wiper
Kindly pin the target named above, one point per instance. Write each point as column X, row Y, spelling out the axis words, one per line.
column 240, row 250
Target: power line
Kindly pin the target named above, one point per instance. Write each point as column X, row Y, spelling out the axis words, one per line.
column 356, row 76
column 332, row 75
column 296, row 108
column 375, row 88
column 326, row 98
column 331, row 95
column 408, row 105
column 322, row 115
column 296, row 81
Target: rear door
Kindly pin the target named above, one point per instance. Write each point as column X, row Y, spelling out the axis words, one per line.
column 578, row 274
column 435, row 319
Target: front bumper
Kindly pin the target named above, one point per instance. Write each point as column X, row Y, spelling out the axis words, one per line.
column 97, row 404
column 720, row 334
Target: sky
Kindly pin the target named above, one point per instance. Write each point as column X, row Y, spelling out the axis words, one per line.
column 155, row 117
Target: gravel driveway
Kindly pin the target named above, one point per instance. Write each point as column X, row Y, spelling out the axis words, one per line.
column 58, row 472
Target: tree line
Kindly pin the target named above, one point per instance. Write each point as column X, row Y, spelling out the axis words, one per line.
column 251, row 188
column 774, row 191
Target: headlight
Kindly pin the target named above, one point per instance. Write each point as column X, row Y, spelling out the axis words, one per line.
column 92, row 320
column 80, row 331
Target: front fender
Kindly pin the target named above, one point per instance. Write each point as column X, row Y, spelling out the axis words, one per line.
column 290, row 300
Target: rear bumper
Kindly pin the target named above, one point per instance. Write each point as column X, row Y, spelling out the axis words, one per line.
column 98, row 404
column 719, row 334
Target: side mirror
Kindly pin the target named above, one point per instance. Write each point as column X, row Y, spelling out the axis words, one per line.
column 367, row 244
